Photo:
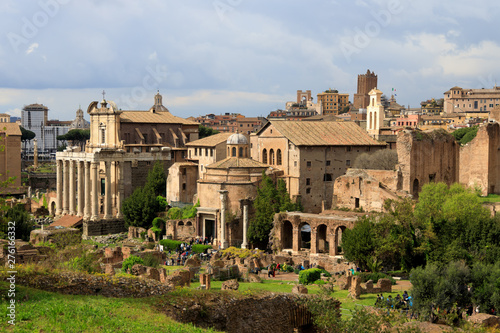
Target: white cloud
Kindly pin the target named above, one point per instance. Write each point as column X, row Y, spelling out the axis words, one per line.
column 32, row 48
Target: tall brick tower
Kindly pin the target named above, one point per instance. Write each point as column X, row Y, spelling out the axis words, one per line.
column 366, row 82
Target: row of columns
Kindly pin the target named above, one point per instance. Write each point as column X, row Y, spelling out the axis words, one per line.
column 333, row 240
column 80, row 185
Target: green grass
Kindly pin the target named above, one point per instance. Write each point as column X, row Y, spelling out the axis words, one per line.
column 40, row 311
column 490, row 198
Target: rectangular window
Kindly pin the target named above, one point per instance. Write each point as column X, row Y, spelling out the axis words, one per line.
column 328, row 163
column 295, row 163
column 308, row 190
column 327, row 177
column 103, row 186
column 308, row 164
column 196, row 152
column 348, row 148
column 211, row 152
column 183, row 186
column 308, row 181
column 348, row 162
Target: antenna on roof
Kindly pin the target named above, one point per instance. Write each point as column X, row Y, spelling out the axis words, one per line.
column 103, row 95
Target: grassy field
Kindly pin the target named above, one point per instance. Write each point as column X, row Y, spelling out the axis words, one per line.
column 490, row 198
column 40, row 311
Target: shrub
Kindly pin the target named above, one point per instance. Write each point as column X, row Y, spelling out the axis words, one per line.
column 169, row 244
column 200, row 248
column 174, row 213
column 162, row 203
column 152, row 261
column 308, row 276
column 131, row 261
column 87, row 262
column 190, row 211
column 289, row 268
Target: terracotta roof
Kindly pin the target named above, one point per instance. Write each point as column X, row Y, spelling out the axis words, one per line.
column 211, row 141
column 68, row 221
column 324, row 133
column 10, row 128
column 236, row 162
column 153, row 117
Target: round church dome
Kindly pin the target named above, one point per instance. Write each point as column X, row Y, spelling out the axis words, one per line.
column 237, row 139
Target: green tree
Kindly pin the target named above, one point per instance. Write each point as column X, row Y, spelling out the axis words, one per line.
column 22, row 219
column 26, row 135
column 271, row 199
column 203, row 131
column 76, row 136
column 140, row 208
column 358, row 243
column 157, row 179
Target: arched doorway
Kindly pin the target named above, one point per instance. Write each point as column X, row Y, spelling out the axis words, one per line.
column 322, row 244
column 53, row 208
column 287, row 235
column 338, row 239
column 305, row 236
column 415, row 188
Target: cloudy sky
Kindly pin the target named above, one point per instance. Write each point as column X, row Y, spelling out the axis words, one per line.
column 246, row 56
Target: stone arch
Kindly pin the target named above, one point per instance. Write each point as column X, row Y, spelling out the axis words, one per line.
column 188, row 224
column 264, row 156
column 180, row 223
column 278, row 157
column 322, row 244
column 287, row 235
column 304, row 236
column 339, row 230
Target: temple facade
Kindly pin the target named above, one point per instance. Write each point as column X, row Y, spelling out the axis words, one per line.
column 123, row 147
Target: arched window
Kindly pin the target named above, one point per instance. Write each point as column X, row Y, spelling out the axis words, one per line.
column 264, row 156
column 278, row 157
column 271, row 157
column 234, row 152
column 241, row 152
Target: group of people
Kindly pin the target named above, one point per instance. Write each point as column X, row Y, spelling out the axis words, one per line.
column 399, row 302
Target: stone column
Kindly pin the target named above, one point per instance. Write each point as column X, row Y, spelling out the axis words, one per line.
column 107, row 191
column 332, row 247
column 95, row 190
column 314, row 240
column 296, row 239
column 245, row 224
column 223, row 198
column 59, row 187
column 80, row 203
column 86, row 213
column 72, row 200
column 65, row 188
column 120, row 189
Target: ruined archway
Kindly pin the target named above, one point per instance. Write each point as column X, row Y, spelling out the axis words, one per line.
column 304, row 236
column 338, row 239
column 287, row 235
column 322, row 244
